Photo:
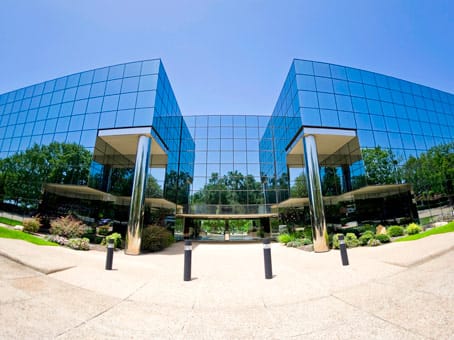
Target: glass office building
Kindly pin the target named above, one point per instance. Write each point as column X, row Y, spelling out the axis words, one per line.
column 144, row 155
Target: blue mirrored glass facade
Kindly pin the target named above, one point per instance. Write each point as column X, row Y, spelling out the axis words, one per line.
column 226, row 164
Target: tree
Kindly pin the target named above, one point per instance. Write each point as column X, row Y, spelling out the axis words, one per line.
column 381, row 166
column 299, row 189
column 432, row 172
column 331, row 184
column 24, row 173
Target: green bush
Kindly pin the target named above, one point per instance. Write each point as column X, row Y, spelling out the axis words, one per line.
column 286, row 238
column 383, row 238
column 307, row 241
column 295, row 243
column 365, row 237
column 307, row 232
column 31, row 225
column 373, row 242
column 68, row 227
column 79, row 243
column 351, row 241
column 412, row 229
column 156, row 238
column 395, row 230
column 116, row 237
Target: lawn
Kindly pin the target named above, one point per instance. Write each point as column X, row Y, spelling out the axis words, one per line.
column 9, row 221
column 439, row 230
column 20, row 235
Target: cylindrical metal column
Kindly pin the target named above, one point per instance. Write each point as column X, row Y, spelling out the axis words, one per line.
column 314, row 188
column 136, row 209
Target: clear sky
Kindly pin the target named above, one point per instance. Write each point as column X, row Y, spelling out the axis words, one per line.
column 227, row 56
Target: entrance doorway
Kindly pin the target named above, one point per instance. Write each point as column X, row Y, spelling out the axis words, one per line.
column 226, row 227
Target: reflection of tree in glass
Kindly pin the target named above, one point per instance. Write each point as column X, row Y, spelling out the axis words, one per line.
column 433, row 172
column 231, row 189
column 381, row 166
column 22, row 174
column 331, row 182
column 176, row 187
column 299, row 189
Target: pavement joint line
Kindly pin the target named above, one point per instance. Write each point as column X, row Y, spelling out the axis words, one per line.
column 36, row 268
column 377, row 316
column 424, row 259
column 126, row 299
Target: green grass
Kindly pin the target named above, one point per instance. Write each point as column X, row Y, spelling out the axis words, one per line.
column 425, row 220
column 20, row 235
column 449, row 228
column 9, row 221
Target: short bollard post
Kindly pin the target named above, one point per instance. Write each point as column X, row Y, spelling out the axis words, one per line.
column 267, row 258
column 343, row 250
column 110, row 251
column 187, row 260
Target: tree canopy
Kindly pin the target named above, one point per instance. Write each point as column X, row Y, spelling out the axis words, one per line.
column 22, row 174
column 432, row 172
column 381, row 166
column 230, row 189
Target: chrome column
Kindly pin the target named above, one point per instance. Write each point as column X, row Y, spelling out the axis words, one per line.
column 314, row 188
column 136, row 208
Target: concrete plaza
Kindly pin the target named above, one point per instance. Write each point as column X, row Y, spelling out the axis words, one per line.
column 400, row 290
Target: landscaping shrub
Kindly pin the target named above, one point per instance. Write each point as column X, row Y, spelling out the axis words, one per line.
column 155, row 238
column 413, row 229
column 395, row 230
column 116, row 237
column 79, row 243
column 286, row 238
column 58, row 239
column 351, row 241
column 307, row 232
column 31, row 225
column 365, row 237
column 383, row 238
column 295, row 243
column 374, row 242
column 307, row 241
column 67, row 226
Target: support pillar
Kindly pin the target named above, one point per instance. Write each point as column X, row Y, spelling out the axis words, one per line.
column 314, row 188
column 136, row 209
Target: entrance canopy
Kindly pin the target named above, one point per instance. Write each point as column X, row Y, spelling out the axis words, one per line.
column 118, row 147
column 370, row 191
column 227, row 216
column 335, row 147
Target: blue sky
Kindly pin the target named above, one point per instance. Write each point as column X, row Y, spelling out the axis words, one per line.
column 227, row 57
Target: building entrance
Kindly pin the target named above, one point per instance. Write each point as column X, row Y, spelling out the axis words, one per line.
column 226, row 227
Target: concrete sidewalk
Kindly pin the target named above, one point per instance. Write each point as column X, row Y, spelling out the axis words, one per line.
column 399, row 290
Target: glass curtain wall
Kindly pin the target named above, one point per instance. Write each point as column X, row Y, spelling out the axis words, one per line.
column 227, row 176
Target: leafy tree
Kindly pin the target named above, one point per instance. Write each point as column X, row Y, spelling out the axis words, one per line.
column 23, row 174
column 234, row 188
column 331, row 184
column 176, row 187
column 299, row 189
column 381, row 166
column 433, row 172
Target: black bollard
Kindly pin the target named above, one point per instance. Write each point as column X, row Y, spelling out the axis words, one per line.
column 187, row 260
column 267, row 258
column 343, row 250
column 110, row 250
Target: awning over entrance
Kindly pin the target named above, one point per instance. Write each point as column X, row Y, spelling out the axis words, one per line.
column 227, row 216
column 84, row 192
column 367, row 191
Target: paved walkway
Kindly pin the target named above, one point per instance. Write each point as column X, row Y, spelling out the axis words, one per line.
column 401, row 290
